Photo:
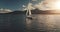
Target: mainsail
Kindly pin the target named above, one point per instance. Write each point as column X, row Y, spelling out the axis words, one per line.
column 28, row 13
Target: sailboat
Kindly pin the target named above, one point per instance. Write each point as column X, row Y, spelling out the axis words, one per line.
column 28, row 13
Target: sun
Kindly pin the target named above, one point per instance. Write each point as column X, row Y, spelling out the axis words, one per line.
column 57, row 5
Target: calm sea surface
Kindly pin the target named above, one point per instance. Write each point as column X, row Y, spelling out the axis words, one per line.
column 12, row 22
column 43, row 23
column 39, row 23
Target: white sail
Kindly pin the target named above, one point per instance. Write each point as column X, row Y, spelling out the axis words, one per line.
column 28, row 13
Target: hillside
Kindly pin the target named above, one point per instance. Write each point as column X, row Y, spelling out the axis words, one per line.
column 15, row 12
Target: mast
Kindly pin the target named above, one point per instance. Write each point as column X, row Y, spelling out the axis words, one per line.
column 29, row 9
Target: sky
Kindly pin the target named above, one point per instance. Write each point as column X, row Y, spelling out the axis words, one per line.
column 48, row 5
column 13, row 4
column 20, row 4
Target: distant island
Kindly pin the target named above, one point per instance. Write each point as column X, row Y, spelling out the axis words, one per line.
column 35, row 11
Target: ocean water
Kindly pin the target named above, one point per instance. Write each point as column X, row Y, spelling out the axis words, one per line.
column 12, row 22
column 43, row 23
column 39, row 23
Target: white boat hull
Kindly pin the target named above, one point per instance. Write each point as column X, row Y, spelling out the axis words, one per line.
column 29, row 17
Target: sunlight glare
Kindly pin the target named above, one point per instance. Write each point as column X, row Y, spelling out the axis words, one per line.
column 57, row 5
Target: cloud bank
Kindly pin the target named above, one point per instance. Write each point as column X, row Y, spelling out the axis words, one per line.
column 5, row 10
column 48, row 5
column 28, row 7
column 44, row 5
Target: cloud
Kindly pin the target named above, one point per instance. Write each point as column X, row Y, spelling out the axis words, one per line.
column 47, row 5
column 28, row 7
column 43, row 5
column 5, row 10
column 23, row 6
column 39, row 6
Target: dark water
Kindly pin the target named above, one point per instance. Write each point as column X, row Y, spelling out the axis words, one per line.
column 43, row 23
column 12, row 22
column 39, row 23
